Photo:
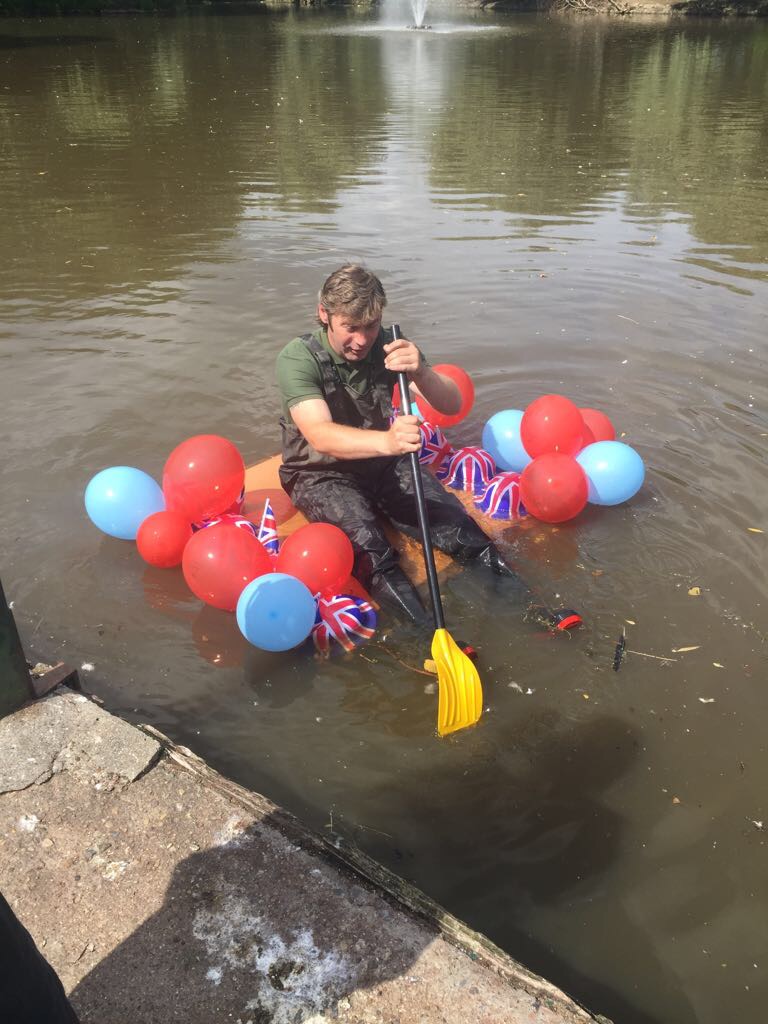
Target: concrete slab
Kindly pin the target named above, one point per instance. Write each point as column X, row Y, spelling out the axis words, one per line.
column 180, row 896
column 69, row 731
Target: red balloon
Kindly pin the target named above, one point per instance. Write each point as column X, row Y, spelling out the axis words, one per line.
column 318, row 554
column 220, row 561
column 466, row 388
column 587, row 437
column 601, row 427
column 162, row 537
column 554, row 487
column 203, row 476
column 552, row 424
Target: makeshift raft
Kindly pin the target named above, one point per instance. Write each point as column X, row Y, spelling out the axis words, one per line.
column 262, row 482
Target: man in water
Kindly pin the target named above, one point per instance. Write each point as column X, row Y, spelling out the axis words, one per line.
column 345, row 459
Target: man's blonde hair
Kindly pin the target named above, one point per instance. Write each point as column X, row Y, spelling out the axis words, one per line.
column 354, row 292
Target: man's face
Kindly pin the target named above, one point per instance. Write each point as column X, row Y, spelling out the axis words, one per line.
column 348, row 338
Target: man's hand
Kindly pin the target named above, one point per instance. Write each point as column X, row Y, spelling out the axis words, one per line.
column 402, row 356
column 404, row 436
column 313, row 418
column 439, row 391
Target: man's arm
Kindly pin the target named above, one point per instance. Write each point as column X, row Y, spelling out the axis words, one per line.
column 441, row 392
column 313, row 418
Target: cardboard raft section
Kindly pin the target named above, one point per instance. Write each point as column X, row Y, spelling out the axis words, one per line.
column 262, row 481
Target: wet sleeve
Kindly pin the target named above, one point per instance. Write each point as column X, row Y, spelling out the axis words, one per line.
column 298, row 375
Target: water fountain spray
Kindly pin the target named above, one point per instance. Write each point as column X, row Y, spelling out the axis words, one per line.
column 419, row 10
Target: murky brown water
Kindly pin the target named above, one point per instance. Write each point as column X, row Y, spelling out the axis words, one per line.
column 559, row 206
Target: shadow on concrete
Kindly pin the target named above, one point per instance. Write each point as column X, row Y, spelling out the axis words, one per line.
column 251, row 930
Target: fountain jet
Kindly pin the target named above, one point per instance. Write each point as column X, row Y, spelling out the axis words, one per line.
column 419, row 10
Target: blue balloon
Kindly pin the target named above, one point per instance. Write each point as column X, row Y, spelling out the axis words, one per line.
column 501, row 439
column 415, row 410
column 118, row 500
column 614, row 471
column 276, row 612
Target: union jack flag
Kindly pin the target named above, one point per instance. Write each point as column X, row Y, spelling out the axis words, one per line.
column 434, row 447
column 267, row 531
column 228, row 517
column 501, row 498
column 468, row 469
column 347, row 620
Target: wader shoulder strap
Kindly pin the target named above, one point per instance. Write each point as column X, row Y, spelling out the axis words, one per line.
column 384, row 379
column 333, row 385
column 331, row 379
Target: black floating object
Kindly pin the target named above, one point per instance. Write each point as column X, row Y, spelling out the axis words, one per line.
column 618, row 654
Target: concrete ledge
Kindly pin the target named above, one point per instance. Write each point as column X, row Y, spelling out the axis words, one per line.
column 68, row 731
column 182, row 897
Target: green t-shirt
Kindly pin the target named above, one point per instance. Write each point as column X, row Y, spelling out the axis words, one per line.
column 299, row 377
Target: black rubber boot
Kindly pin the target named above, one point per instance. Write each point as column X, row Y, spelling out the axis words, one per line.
column 560, row 619
column 393, row 589
column 493, row 559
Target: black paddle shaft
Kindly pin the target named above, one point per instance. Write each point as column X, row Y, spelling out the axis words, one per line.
column 421, row 505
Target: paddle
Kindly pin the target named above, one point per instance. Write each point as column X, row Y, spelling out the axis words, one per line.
column 460, row 692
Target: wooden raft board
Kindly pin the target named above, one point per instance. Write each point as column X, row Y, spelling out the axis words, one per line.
column 262, row 481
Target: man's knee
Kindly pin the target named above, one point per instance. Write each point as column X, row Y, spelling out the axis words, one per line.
column 338, row 501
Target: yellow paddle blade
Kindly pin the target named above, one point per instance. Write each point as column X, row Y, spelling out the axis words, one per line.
column 460, row 692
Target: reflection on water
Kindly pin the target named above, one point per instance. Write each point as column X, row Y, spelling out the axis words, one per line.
column 559, row 206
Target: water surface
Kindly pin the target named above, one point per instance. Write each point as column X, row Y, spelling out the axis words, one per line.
column 571, row 206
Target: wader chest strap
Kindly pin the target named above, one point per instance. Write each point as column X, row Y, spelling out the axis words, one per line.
column 333, row 384
column 331, row 379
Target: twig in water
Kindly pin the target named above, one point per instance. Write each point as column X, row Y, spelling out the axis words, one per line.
column 412, row 668
column 657, row 657
column 376, row 830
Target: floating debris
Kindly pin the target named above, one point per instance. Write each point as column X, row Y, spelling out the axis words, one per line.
column 656, row 657
column 618, row 654
column 694, row 592
column 684, row 650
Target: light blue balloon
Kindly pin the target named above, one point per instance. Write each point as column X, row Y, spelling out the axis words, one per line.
column 118, row 500
column 614, row 471
column 276, row 612
column 415, row 410
column 501, row 439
